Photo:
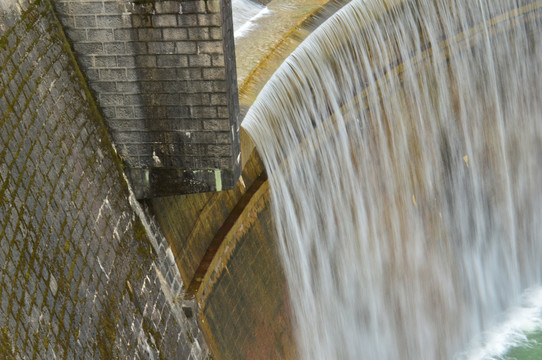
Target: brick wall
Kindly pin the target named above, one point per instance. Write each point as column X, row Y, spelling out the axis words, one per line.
column 164, row 76
column 80, row 277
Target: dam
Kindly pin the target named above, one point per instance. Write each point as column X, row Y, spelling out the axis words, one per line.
column 360, row 180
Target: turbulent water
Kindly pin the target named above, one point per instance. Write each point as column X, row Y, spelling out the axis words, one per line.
column 403, row 143
column 244, row 11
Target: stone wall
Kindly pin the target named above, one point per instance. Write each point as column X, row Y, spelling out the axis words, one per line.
column 165, row 78
column 80, row 276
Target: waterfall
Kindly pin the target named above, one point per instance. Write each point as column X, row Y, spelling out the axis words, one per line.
column 403, row 144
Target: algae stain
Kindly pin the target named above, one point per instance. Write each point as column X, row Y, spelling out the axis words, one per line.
column 6, row 346
column 107, row 329
column 218, row 180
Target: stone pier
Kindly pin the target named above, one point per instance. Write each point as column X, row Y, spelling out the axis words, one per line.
column 164, row 76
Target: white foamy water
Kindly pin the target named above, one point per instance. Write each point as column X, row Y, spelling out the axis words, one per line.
column 403, row 145
column 512, row 331
column 245, row 13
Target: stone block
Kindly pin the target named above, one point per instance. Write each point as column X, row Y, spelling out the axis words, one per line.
column 175, row 112
column 100, row 35
column 201, row 60
column 124, row 112
column 87, row 49
column 104, row 87
column 106, row 61
column 209, row 20
column 218, row 99
column 216, row 33
column 203, row 137
column 217, row 60
column 171, row 61
column 219, row 150
column 127, row 61
column 187, row 20
column 123, row 34
column 165, row 7
column 139, row 48
column 108, row 112
column 161, row 47
column 199, row 33
column 210, row 47
column 85, row 61
column 127, row 87
column 112, row 22
column 149, row 34
column 216, row 125
column 193, row 7
column 219, row 86
column 185, row 47
column 223, row 138
column 111, row 100
column 146, row 61
column 85, row 8
column 114, row 7
column 222, row 112
column 213, row 6
column 200, row 87
column 168, row 20
column 112, row 74
column 171, row 87
column 116, row 48
column 141, row 21
column 189, row 73
column 214, row 74
column 175, row 33
column 132, row 74
column 194, row 99
column 130, row 137
column 77, row 34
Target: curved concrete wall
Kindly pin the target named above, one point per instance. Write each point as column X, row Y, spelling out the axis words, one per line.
column 245, row 290
column 80, row 276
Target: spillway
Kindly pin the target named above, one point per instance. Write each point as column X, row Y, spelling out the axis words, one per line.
column 403, row 143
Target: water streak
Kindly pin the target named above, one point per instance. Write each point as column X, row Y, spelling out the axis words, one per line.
column 245, row 12
column 403, row 142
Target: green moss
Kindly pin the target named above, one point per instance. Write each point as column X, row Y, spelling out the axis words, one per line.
column 107, row 329
column 189, row 337
column 144, row 248
column 156, row 336
column 6, row 347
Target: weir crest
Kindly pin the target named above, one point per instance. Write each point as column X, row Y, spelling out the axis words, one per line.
column 402, row 141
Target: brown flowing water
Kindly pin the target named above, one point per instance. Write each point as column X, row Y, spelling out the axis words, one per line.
column 403, row 143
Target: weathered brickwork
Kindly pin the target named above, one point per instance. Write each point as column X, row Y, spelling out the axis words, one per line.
column 80, row 277
column 164, row 76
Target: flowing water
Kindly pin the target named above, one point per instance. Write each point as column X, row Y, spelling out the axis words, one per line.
column 403, row 143
column 243, row 12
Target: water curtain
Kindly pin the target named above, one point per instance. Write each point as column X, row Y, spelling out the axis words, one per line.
column 403, row 143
